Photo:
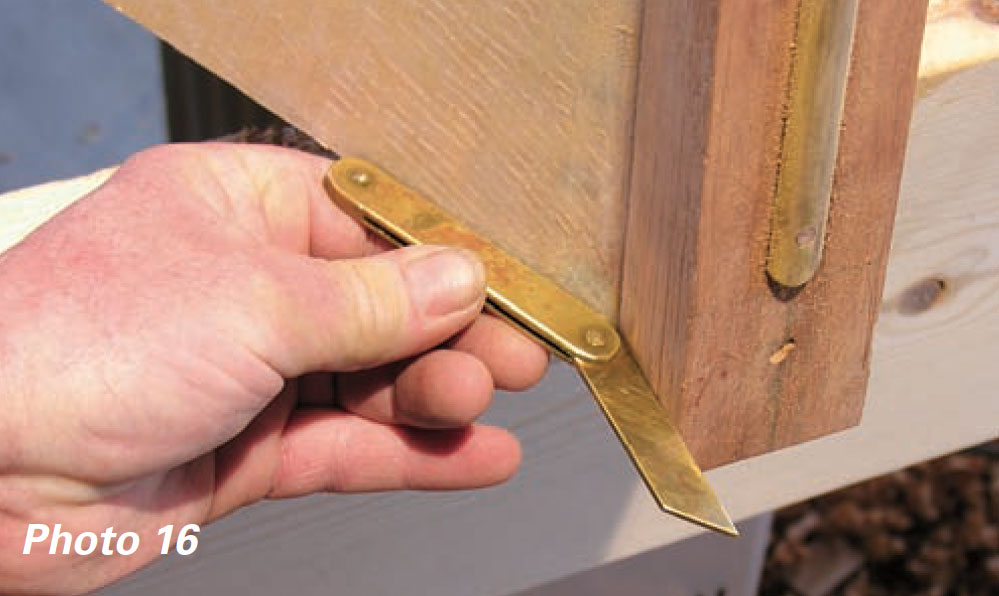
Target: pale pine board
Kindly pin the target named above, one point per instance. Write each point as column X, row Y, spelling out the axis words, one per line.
column 577, row 503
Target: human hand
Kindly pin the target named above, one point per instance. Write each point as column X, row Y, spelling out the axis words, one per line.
column 206, row 330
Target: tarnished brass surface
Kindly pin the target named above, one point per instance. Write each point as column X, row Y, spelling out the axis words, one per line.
column 653, row 442
column 556, row 319
column 814, row 112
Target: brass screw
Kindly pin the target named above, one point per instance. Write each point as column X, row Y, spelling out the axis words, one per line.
column 806, row 238
column 360, row 177
column 596, row 337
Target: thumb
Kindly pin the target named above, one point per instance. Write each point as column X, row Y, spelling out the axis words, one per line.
column 359, row 313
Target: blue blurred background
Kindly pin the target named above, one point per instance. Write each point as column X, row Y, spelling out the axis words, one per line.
column 80, row 88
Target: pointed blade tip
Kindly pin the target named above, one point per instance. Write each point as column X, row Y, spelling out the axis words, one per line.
column 719, row 521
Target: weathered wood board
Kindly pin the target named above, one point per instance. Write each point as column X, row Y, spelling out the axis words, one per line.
column 742, row 370
column 518, row 117
column 514, row 115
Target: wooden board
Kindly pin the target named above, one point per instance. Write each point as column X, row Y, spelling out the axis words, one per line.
column 576, row 504
column 517, row 117
column 742, row 370
column 514, row 115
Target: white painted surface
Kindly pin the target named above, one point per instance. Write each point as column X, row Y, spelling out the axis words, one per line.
column 704, row 565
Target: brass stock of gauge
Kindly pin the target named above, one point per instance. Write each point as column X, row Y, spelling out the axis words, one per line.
column 556, row 319
column 820, row 66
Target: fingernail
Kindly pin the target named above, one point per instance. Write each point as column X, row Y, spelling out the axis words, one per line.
column 444, row 280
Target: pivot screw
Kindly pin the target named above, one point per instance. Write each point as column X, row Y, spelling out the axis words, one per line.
column 806, row 238
column 595, row 337
column 360, row 177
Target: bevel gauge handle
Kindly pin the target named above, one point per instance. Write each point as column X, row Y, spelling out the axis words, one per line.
column 556, row 319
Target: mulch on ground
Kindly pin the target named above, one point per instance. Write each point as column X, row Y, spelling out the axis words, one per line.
column 932, row 529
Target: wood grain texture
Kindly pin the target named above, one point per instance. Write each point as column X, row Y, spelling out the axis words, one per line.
column 576, row 503
column 514, row 115
column 696, row 304
column 517, row 117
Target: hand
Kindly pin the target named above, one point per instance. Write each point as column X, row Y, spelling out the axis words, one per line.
column 207, row 330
